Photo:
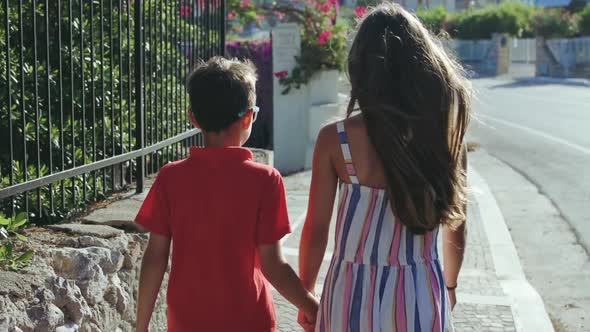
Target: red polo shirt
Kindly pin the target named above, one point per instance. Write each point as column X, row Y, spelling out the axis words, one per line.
column 217, row 206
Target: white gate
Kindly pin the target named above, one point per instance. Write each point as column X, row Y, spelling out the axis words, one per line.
column 524, row 50
column 523, row 56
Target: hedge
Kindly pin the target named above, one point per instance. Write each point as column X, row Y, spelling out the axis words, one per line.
column 556, row 23
column 515, row 19
column 434, row 19
column 585, row 21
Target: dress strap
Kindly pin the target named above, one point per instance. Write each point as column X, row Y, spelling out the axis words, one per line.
column 346, row 152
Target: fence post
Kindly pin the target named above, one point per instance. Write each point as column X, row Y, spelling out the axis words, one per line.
column 139, row 111
column 222, row 28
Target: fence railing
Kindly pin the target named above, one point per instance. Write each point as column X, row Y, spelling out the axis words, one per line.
column 92, row 95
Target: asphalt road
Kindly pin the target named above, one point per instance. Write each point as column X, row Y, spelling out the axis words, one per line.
column 543, row 132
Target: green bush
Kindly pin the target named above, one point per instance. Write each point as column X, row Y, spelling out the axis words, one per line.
column 95, row 83
column 433, row 19
column 508, row 17
column 585, row 21
column 10, row 236
column 555, row 23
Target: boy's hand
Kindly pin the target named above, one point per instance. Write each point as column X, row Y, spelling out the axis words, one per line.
column 306, row 322
column 285, row 280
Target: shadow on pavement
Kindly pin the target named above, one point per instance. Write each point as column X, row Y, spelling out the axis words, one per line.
column 541, row 81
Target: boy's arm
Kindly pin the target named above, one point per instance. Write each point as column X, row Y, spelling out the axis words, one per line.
column 280, row 274
column 153, row 267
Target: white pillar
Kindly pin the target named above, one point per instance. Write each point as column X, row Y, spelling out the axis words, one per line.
column 290, row 110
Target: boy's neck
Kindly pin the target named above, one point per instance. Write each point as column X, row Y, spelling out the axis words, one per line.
column 221, row 140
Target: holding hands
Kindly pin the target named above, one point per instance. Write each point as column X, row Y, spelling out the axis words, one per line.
column 307, row 317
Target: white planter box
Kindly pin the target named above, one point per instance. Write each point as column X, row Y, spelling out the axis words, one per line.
column 323, row 87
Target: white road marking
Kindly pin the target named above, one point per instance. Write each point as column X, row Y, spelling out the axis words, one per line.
column 554, row 139
column 545, row 100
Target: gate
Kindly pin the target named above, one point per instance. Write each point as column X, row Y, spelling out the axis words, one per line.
column 523, row 56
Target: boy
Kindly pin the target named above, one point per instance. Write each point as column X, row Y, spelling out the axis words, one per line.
column 224, row 214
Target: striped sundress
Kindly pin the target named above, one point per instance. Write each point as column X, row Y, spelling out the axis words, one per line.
column 382, row 277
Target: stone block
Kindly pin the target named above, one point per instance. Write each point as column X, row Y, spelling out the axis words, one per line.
column 263, row 156
column 100, row 231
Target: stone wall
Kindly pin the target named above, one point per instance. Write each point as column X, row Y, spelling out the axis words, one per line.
column 483, row 57
column 82, row 278
column 570, row 60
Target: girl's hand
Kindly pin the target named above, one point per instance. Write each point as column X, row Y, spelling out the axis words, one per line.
column 452, row 298
column 306, row 322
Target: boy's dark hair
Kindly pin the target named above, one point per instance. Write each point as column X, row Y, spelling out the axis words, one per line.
column 219, row 90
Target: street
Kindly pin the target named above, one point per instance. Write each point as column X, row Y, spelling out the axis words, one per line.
column 543, row 131
column 536, row 140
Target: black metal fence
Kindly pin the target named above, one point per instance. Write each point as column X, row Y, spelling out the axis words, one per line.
column 92, row 95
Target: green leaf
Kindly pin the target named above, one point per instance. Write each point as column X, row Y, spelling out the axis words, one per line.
column 4, row 221
column 21, row 216
column 3, row 251
column 21, row 237
column 16, row 224
column 8, row 247
column 26, row 256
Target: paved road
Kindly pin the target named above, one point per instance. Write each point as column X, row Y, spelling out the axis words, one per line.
column 538, row 137
column 543, row 132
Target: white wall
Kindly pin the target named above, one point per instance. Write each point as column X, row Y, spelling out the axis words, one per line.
column 290, row 110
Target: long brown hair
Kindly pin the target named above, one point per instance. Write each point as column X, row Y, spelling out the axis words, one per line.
column 415, row 101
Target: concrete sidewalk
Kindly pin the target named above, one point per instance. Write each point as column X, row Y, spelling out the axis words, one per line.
column 493, row 294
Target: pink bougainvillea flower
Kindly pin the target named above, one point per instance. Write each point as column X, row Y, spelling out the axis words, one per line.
column 279, row 15
column 360, row 11
column 281, row 74
column 325, row 8
column 231, row 15
column 324, row 37
column 245, row 3
column 185, row 11
column 312, row 3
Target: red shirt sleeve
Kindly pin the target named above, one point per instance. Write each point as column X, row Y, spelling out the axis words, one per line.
column 273, row 217
column 154, row 214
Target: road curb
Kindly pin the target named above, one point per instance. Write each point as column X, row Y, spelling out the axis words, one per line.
column 556, row 80
column 526, row 304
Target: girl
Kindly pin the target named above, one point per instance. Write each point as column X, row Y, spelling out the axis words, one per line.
column 401, row 169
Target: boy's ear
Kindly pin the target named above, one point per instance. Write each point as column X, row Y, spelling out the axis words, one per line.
column 246, row 120
column 192, row 118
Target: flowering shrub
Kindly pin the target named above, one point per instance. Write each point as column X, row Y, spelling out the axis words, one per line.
column 360, row 11
column 323, row 40
column 260, row 53
column 323, row 37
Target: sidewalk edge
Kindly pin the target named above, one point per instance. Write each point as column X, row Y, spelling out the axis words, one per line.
column 527, row 305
